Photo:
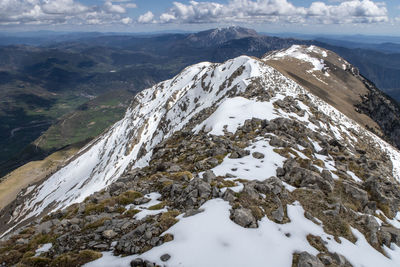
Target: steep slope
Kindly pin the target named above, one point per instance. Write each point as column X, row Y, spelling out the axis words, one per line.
column 40, row 84
column 155, row 114
column 340, row 84
column 287, row 179
column 33, row 172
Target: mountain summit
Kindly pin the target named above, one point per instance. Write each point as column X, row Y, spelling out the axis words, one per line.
column 248, row 162
column 220, row 35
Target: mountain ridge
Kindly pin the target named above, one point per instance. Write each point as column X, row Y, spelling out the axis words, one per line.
column 131, row 62
column 239, row 139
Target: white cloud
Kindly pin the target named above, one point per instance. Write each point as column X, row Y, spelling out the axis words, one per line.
column 146, row 17
column 63, row 12
column 253, row 11
column 126, row 20
column 114, row 8
column 234, row 11
column 354, row 11
column 62, row 7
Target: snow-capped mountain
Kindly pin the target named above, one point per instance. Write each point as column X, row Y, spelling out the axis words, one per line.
column 278, row 150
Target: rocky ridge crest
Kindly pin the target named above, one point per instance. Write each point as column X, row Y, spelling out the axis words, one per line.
column 291, row 153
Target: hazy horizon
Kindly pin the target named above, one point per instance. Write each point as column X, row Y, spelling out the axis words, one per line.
column 348, row 17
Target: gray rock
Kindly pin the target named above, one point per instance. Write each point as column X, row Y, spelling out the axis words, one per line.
column 308, row 260
column 334, row 209
column 148, row 235
column 244, row 218
column 174, row 168
column 74, row 221
column 214, row 192
column 356, row 193
column 209, row 176
column 393, row 232
column 249, row 189
column 370, row 208
column 277, row 142
column 386, row 237
column 101, row 246
column 116, row 186
column 126, row 225
column 141, row 263
column 280, row 172
column 22, row 241
column 192, row 212
column 278, row 214
column 109, row 234
column 372, row 226
column 228, row 195
column 339, row 259
column 165, row 257
column 141, row 200
column 326, row 259
column 155, row 241
column 275, row 184
column 306, row 178
column 239, row 153
column 44, row 228
column 204, row 189
column 212, row 162
column 218, row 151
column 75, row 227
column 258, row 155
column 234, row 155
column 340, row 166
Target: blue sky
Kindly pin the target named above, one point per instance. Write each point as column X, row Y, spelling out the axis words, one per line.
column 303, row 16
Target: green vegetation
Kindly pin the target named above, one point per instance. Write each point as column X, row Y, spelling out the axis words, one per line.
column 167, row 219
column 96, row 224
column 88, row 121
column 157, row 206
column 94, row 208
column 82, row 122
column 13, row 251
column 122, row 200
column 76, row 259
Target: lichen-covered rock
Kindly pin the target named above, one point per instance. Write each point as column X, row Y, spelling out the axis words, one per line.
column 244, row 218
column 307, row 260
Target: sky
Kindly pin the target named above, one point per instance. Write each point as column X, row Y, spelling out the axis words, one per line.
column 297, row 16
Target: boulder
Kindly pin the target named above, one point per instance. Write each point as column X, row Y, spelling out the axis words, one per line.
column 393, row 232
column 165, row 257
column 141, row 263
column 258, row 155
column 356, row 193
column 209, row 176
column 244, row 217
column 109, row 234
column 307, row 260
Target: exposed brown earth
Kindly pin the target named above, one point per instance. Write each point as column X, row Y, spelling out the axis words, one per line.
column 340, row 89
column 32, row 173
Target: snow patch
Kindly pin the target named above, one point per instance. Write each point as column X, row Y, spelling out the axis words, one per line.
column 218, row 241
column 43, row 249
column 354, row 176
column 301, row 53
column 233, row 112
column 144, row 208
column 251, row 168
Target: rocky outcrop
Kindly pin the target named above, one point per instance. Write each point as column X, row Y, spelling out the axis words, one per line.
column 303, row 163
column 384, row 110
